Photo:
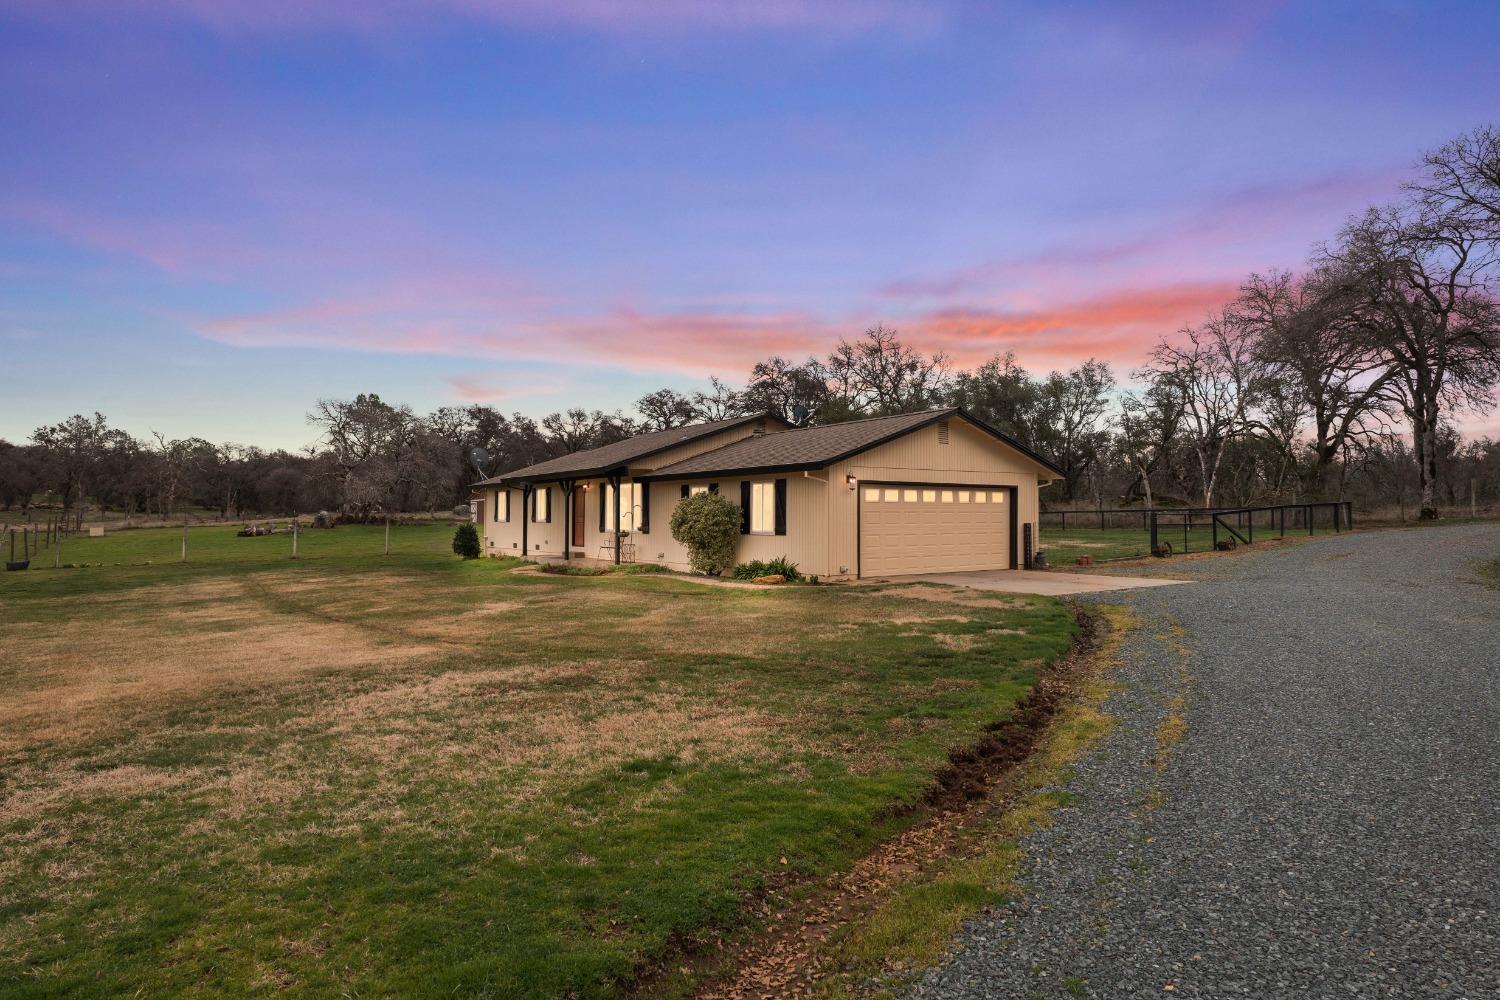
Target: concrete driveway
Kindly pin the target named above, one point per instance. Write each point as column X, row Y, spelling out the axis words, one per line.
column 1026, row 581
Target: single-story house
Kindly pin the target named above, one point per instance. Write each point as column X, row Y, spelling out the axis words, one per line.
column 931, row 492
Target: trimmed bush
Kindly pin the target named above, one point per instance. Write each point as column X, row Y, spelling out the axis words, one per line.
column 466, row 541
column 709, row 525
column 780, row 566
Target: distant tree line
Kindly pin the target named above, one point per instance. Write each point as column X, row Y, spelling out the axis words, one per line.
column 1340, row 380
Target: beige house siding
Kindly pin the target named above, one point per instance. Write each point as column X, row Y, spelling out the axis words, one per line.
column 970, row 456
column 804, row 542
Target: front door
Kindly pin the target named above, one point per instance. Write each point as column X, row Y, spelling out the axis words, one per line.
column 578, row 522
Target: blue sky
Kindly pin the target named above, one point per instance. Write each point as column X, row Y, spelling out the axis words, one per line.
column 213, row 213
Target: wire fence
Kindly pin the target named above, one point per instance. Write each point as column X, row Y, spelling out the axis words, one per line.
column 1105, row 534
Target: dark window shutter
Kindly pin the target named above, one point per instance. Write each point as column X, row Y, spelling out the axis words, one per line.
column 603, row 489
column 645, row 508
column 686, row 489
column 713, row 487
column 507, row 506
column 532, row 515
column 744, row 506
column 496, row 515
column 549, row 505
column 781, row 506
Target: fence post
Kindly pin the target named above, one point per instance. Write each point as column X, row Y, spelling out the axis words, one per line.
column 184, row 540
column 388, row 534
column 294, row 538
column 1213, row 526
column 1187, row 523
column 1154, row 544
column 57, row 553
column 1250, row 529
column 1336, row 518
column 1307, row 513
column 1349, row 514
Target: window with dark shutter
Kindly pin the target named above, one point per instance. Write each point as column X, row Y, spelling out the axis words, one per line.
column 713, row 487
column 603, row 488
column 645, row 489
column 549, row 505
column 685, row 489
column 507, row 506
column 744, row 506
column 781, row 506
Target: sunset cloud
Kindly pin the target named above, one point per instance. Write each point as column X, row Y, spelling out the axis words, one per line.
column 1120, row 326
column 614, row 16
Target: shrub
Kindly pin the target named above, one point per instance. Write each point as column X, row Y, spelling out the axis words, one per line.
column 780, row 566
column 466, row 541
column 709, row 525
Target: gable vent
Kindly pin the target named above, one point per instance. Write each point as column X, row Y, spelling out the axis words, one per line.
column 759, row 428
column 942, row 432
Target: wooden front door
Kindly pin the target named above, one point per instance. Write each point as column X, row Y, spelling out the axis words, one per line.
column 578, row 496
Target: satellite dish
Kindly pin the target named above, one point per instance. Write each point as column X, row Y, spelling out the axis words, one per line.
column 799, row 414
column 480, row 460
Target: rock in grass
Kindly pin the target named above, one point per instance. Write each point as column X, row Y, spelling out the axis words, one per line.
column 773, row 578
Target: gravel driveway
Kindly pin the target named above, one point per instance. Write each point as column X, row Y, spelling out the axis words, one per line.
column 1329, row 823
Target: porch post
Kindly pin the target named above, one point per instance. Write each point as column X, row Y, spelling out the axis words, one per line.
column 615, row 480
column 525, row 518
column 567, row 488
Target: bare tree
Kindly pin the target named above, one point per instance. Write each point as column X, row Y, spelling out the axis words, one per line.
column 1418, row 281
column 1305, row 331
column 1149, row 423
column 665, row 409
column 1213, row 370
column 720, row 401
column 878, row 374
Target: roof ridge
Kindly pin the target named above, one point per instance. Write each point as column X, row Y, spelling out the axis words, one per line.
column 865, row 420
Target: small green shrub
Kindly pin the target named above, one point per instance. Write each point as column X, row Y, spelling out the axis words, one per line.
column 641, row 569
column 466, row 541
column 780, row 566
column 709, row 525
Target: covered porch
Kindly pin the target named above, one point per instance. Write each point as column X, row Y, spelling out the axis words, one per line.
column 583, row 520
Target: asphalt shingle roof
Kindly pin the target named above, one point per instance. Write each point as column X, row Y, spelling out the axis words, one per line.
column 806, row 447
column 816, row 447
column 621, row 453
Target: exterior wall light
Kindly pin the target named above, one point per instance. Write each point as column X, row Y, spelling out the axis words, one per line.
column 852, row 482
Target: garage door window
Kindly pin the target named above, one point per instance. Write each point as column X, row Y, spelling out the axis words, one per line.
column 872, row 494
column 947, row 496
column 998, row 496
column 980, row 496
column 909, row 496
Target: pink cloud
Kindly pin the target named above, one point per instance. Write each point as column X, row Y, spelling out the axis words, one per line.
column 496, row 387
column 615, row 16
column 1119, row 326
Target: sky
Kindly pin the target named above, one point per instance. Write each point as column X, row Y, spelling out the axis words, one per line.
column 215, row 212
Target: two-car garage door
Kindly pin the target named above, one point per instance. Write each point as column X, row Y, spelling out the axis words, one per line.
column 921, row 529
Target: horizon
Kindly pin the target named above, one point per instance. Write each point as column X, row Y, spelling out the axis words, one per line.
column 224, row 212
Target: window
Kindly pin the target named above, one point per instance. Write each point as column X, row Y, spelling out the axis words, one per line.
column 762, row 508
column 997, row 497
column 947, row 496
column 872, row 494
column 963, row 496
column 910, row 496
column 630, row 506
column 980, row 496
column 929, row 496
column 543, row 497
column 891, row 496
column 695, row 490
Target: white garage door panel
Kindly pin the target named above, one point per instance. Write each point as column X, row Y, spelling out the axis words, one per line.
column 932, row 536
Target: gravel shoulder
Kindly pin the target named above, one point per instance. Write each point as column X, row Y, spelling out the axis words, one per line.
column 1302, row 796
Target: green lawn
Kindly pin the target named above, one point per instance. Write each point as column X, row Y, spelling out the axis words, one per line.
column 412, row 775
